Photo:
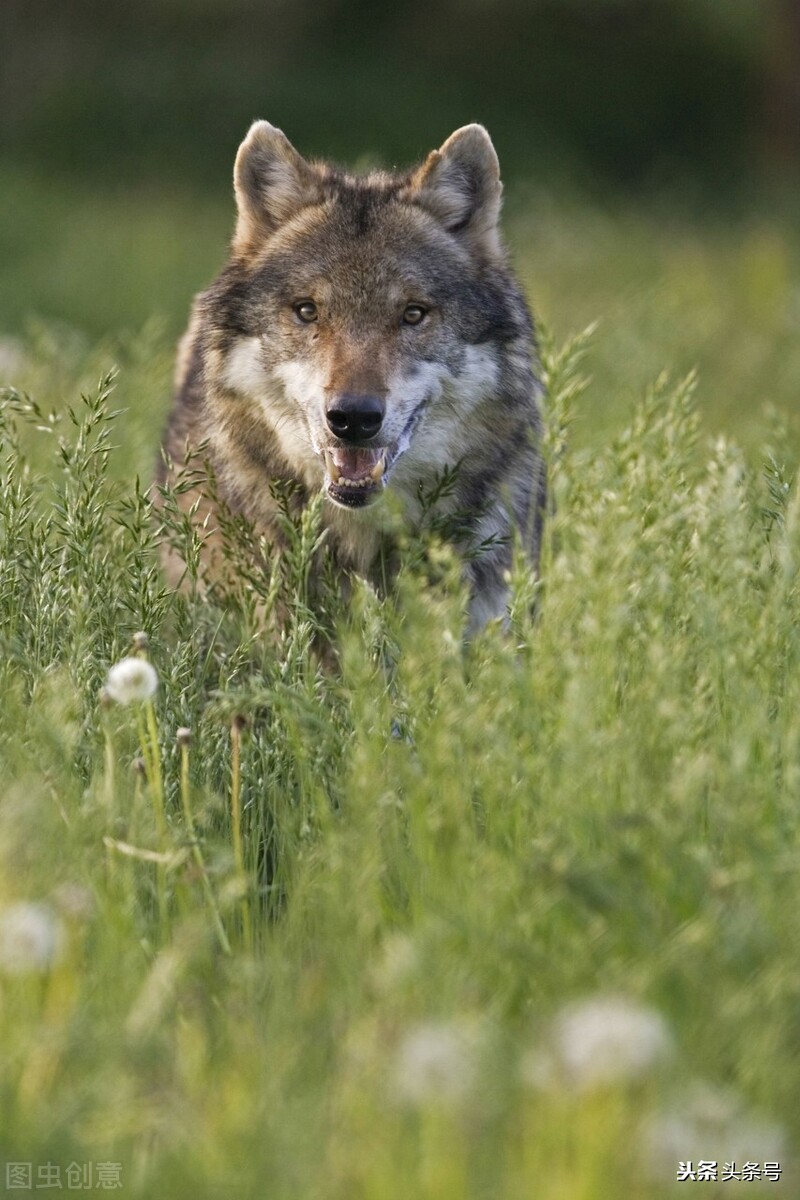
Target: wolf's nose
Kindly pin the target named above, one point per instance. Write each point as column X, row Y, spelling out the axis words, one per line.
column 355, row 418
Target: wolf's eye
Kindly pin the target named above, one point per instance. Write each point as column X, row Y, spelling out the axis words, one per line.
column 413, row 314
column 306, row 310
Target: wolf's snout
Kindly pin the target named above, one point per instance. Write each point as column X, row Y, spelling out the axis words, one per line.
column 355, row 418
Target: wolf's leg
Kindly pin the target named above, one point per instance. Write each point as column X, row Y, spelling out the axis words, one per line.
column 488, row 591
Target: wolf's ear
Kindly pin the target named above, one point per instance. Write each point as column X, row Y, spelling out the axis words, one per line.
column 459, row 184
column 272, row 182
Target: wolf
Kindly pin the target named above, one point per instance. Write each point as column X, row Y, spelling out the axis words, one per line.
column 367, row 337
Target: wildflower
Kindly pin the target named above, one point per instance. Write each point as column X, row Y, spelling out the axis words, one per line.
column 598, row 1042
column 183, row 736
column 131, row 680
column 397, row 964
column 709, row 1124
column 12, row 356
column 31, row 938
column 434, row 1062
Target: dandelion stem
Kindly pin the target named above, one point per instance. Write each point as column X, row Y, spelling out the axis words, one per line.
column 148, row 738
column 109, row 788
column 196, row 851
column 236, row 821
column 155, row 780
column 58, row 1002
column 109, row 769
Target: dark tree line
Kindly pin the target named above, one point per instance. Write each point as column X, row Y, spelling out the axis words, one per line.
column 616, row 89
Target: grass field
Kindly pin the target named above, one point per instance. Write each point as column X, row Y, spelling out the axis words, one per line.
column 511, row 920
column 670, row 290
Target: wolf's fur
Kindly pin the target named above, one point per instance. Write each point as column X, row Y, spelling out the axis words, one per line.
column 256, row 382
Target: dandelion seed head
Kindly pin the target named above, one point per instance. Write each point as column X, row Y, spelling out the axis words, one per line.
column 132, row 680
column 140, row 641
column 434, row 1062
column 397, row 963
column 31, row 938
column 183, row 735
column 709, row 1123
column 597, row 1042
column 12, row 356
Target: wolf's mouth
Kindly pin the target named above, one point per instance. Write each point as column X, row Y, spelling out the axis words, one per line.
column 353, row 475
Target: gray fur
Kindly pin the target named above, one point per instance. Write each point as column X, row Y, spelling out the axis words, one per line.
column 458, row 390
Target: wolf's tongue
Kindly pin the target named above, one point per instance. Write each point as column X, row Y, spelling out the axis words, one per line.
column 355, row 463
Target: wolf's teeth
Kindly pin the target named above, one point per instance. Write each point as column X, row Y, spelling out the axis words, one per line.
column 363, row 481
column 333, row 470
column 344, row 481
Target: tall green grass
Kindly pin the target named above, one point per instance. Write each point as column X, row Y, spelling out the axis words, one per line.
column 85, row 268
column 444, row 846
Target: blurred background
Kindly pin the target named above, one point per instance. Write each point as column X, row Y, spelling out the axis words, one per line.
column 650, row 154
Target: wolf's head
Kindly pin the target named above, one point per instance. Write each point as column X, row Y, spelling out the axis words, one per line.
column 358, row 310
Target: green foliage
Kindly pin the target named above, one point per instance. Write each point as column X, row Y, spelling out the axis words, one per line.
column 443, row 845
column 669, row 290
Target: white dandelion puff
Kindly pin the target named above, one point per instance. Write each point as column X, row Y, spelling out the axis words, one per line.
column 434, row 1062
column 397, row 964
column 132, row 680
column 31, row 938
column 710, row 1124
column 12, row 357
column 597, row 1042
